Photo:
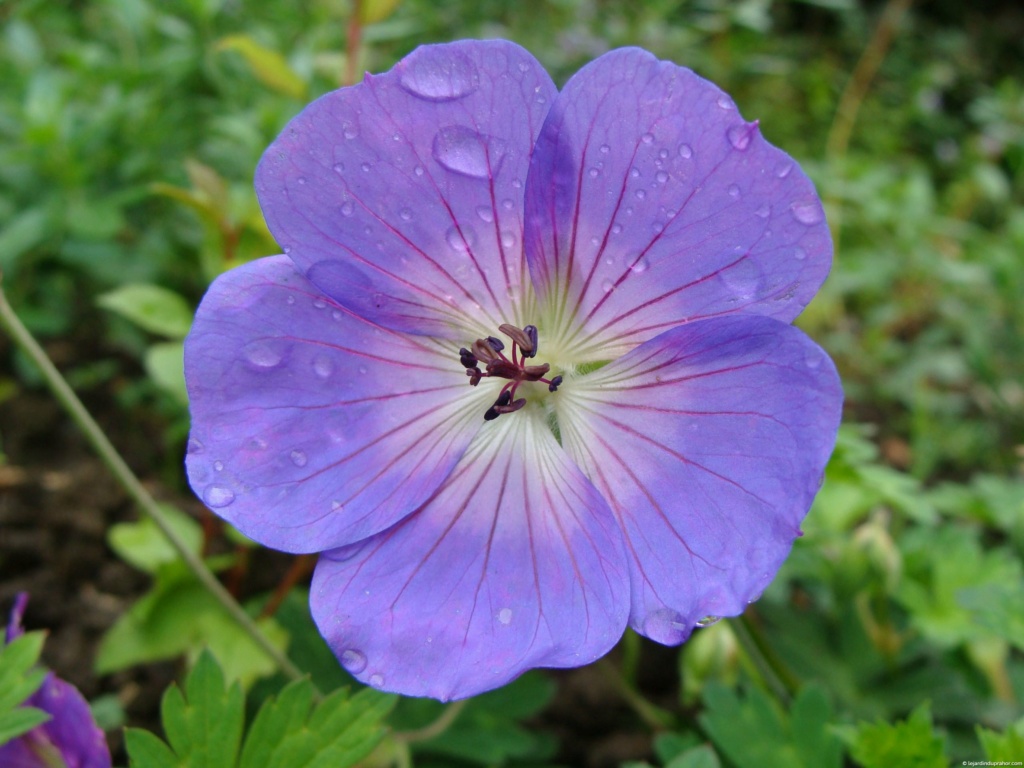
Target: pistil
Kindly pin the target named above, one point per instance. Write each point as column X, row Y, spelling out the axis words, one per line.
column 491, row 353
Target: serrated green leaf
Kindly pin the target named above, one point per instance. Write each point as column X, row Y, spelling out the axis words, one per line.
column 151, row 307
column 1005, row 747
column 337, row 733
column 19, row 720
column 204, row 723
column 269, row 66
column 148, row 751
column 698, row 757
column 911, row 743
column 754, row 733
column 143, row 545
column 17, row 679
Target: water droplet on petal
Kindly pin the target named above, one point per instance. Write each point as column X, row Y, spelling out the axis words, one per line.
column 734, row 190
column 263, row 353
column 438, row 75
column 363, row 369
column 764, row 211
column 616, row 229
column 607, row 286
column 640, row 265
column 218, row 466
column 707, row 621
column 593, row 173
column 460, row 241
column 352, row 660
column 194, row 446
column 405, row 214
column 339, row 167
column 807, row 212
column 366, row 167
column 507, row 204
column 508, row 238
column 634, row 172
column 685, row 151
column 462, row 150
column 289, row 299
column 813, row 360
column 505, row 615
column 663, row 154
column 350, row 131
column 743, row 278
column 217, row 496
column 376, row 680
column 302, row 180
column 661, row 177
column 347, row 209
column 322, row 366
column 486, row 213
column 336, row 505
column 640, row 194
column 320, row 304
column 605, row 149
column 799, row 253
column 647, row 138
column 418, row 170
column 666, row 626
column 783, row 170
column 740, row 135
column 725, row 102
column 298, row 458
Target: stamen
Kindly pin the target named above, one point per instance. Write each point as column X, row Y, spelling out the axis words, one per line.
column 489, row 351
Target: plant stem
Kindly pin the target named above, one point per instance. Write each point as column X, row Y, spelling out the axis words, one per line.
column 109, row 455
column 782, row 683
column 434, row 729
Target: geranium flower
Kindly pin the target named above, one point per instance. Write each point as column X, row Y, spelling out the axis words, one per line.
column 525, row 374
column 70, row 737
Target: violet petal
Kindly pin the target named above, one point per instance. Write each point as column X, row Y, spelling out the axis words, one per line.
column 402, row 197
column 312, row 428
column 709, row 443
column 652, row 202
column 515, row 563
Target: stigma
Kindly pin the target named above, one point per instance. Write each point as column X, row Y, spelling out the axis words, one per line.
column 490, row 353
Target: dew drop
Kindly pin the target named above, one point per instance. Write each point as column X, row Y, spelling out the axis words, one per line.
column 438, row 75
column 507, row 204
column 734, row 190
column 813, row 360
column 505, row 615
column 258, row 444
column 486, row 213
column 263, row 353
column 663, row 154
column 799, row 253
column 218, row 466
column 783, row 170
column 298, row 458
column 363, row 369
column 640, row 194
column 647, row 138
column 517, row 183
column 708, row 621
column 593, row 173
column 616, row 229
column 354, row 661
column 376, row 680
column 339, row 167
column 460, row 241
column 634, row 172
column 194, row 446
column 640, row 266
column 322, row 366
column 807, row 212
column 217, row 496
column 462, row 150
column 347, row 209
column 725, row 102
column 743, row 278
column 661, row 177
column 302, row 180
column 336, row 505
column 764, row 211
column 685, row 151
column 607, row 286
column 289, row 299
column 666, row 626
column 418, row 170
column 605, row 149
column 508, row 238
column 350, row 131
column 405, row 214
column 740, row 135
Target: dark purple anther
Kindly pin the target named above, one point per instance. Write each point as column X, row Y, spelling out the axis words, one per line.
column 503, row 400
column 554, row 383
column 496, row 344
column 531, row 334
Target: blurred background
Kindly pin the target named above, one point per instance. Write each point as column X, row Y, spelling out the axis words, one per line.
column 129, row 132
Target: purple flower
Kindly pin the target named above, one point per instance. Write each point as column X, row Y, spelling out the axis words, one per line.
column 71, row 734
column 525, row 374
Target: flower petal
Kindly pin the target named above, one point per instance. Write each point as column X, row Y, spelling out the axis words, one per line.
column 401, row 197
column 312, row 428
column 651, row 202
column 708, row 443
column 515, row 563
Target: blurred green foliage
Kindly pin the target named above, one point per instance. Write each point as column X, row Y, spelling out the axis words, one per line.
column 129, row 131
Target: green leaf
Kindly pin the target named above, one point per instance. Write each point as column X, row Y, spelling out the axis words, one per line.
column 146, row 750
column 909, row 744
column 269, row 66
column 698, row 757
column 177, row 616
column 165, row 364
column 20, row 720
column 337, row 733
column 754, row 733
column 154, row 309
column 1003, row 747
column 143, row 545
column 18, row 680
column 204, row 723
